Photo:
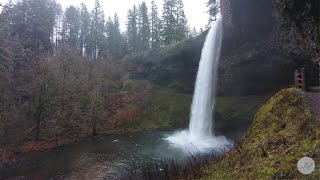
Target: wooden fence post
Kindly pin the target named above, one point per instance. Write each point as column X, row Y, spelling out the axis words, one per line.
column 300, row 79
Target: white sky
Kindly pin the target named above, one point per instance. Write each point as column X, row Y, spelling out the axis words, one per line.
column 196, row 11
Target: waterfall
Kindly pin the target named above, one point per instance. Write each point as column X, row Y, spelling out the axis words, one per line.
column 200, row 137
column 204, row 94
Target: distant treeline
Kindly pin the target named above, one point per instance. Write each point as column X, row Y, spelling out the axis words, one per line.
column 48, row 81
column 42, row 26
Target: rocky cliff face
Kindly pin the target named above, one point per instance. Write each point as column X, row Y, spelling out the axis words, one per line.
column 264, row 41
column 248, row 20
column 261, row 48
column 293, row 24
column 252, row 61
column 301, row 33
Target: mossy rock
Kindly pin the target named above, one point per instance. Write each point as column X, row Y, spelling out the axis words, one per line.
column 283, row 131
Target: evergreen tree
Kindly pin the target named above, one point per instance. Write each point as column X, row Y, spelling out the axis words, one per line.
column 155, row 26
column 144, row 27
column 139, row 27
column 58, row 28
column 182, row 23
column 8, row 45
column 132, row 29
column 96, row 31
column 85, row 20
column 6, row 19
column 175, row 24
column 33, row 23
column 201, row 31
column 117, row 37
column 71, row 26
column 169, row 22
column 104, row 44
column 114, row 37
column 110, row 37
column 214, row 9
column 123, row 45
column 194, row 32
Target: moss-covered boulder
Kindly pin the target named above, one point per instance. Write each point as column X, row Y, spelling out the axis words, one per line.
column 283, row 131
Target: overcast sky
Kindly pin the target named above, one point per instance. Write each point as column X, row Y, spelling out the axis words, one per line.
column 196, row 11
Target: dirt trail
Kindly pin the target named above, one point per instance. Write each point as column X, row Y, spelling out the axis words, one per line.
column 313, row 99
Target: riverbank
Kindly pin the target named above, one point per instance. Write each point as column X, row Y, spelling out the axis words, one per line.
column 284, row 130
column 99, row 157
column 9, row 155
column 160, row 111
column 130, row 112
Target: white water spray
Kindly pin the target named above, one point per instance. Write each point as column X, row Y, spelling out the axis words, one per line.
column 200, row 137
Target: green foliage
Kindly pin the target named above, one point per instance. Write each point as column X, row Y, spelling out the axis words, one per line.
column 58, row 95
column 193, row 32
column 32, row 21
column 11, row 52
column 182, row 28
column 162, row 110
column 231, row 110
column 173, row 66
column 85, row 20
column 113, row 46
column 169, row 22
column 43, row 96
column 96, row 30
column 132, row 29
column 214, row 9
column 278, row 138
column 155, row 26
column 71, row 26
column 118, row 50
column 144, row 27
column 300, row 21
column 42, row 27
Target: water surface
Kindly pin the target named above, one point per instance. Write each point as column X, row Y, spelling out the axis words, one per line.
column 101, row 157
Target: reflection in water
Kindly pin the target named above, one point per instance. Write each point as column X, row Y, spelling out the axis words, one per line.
column 96, row 158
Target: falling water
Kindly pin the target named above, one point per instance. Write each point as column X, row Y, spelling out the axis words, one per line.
column 204, row 95
column 200, row 137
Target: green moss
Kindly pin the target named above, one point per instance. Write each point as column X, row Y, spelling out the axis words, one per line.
column 163, row 110
column 168, row 110
column 231, row 110
column 280, row 135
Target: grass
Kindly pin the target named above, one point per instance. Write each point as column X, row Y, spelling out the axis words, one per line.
column 283, row 131
column 171, row 169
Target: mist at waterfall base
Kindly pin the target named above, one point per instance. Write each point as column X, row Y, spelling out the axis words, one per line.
column 200, row 137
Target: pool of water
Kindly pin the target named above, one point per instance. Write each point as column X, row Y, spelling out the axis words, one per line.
column 101, row 157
